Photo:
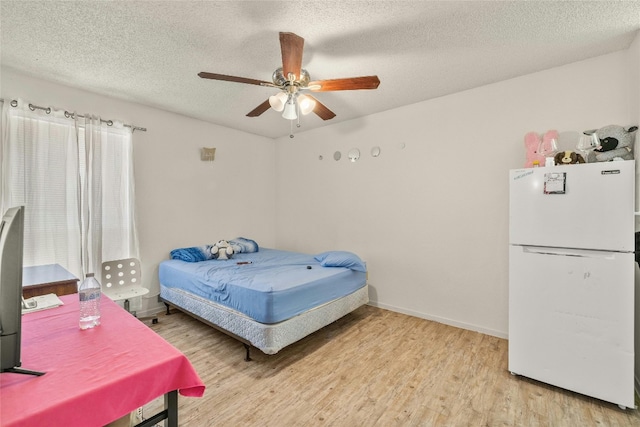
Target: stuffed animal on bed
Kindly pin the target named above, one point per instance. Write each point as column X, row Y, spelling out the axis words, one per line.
column 568, row 158
column 222, row 250
column 616, row 143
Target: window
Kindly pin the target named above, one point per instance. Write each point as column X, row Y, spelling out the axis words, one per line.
column 75, row 179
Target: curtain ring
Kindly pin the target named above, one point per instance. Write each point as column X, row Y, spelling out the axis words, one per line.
column 31, row 107
column 66, row 114
column 109, row 122
column 14, row 103
column 48, row 110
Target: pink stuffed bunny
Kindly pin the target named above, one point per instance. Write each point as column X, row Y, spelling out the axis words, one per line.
column 532, row 144
column 537, row 148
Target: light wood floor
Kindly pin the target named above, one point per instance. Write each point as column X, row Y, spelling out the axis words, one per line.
column 372, row 368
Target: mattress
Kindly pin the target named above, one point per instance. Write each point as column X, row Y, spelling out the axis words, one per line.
column 268, row 286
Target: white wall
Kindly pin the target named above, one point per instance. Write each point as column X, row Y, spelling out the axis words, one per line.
column 634, row 115
column 431, row 220
column 180, row 200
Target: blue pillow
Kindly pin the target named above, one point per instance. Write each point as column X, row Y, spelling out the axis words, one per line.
column 244, row 245
column 192, row 254
column 341, row 259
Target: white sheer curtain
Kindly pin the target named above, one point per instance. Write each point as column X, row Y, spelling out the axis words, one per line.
column 75, row 179
column 108, row 198
column 40, row 171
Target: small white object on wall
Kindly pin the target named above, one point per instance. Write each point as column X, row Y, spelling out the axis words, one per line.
column 354, row 154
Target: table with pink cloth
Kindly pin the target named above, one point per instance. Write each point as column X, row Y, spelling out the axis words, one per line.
column 95, row 376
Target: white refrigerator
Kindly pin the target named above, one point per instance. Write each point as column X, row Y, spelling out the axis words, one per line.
column 571, row 278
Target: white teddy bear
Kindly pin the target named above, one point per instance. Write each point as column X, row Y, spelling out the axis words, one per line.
column 222, row 250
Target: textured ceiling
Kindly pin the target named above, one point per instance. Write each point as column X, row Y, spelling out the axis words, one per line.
column 150, row 52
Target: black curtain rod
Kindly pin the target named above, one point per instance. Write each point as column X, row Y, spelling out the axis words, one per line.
column 67, row 114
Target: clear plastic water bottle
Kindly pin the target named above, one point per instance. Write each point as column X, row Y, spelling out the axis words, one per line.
column 89, row 293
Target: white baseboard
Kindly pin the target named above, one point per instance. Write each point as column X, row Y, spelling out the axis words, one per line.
column 442, row 320
column 156, row 308
column 160, row 307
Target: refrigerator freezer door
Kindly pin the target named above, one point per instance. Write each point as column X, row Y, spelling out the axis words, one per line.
column 571, row 316
column 596, row 210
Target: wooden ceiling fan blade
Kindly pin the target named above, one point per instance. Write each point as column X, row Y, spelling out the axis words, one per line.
column 321, row 110
column 259, row 109
column 214, row 76
column 291, row 46
column 349, row 83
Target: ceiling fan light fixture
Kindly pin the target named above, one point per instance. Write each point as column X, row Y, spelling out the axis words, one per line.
column 291, row 79
column 290, row 110
column 278, row 101
column 306, row 103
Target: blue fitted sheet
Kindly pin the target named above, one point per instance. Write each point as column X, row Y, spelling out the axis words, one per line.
column 276, row 286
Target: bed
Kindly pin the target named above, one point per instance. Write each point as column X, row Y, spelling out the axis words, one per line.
column 265, row 298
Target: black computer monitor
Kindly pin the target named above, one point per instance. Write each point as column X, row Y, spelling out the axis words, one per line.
column 11, row 254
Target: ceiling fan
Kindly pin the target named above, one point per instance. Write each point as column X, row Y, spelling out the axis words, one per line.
column 292, row 80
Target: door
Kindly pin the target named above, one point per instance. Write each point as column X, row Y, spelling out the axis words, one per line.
column 571, row 317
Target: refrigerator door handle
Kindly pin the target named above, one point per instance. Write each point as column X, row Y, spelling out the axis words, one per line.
column 541, row 250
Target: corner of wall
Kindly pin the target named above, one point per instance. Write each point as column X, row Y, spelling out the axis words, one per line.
column 633, row 55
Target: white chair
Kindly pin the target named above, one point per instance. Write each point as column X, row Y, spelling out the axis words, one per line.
column 122, row 281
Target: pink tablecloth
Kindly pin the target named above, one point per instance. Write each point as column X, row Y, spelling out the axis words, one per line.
column 93, row 376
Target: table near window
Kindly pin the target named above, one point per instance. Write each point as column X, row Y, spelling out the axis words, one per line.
column 48, row 279
column 95, row 376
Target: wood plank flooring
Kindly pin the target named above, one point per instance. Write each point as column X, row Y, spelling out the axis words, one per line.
column 373, row 367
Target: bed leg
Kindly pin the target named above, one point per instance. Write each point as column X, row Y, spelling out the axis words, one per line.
column 167, row 308
column 247, row 347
